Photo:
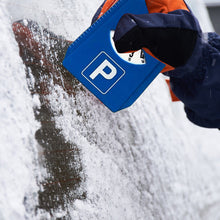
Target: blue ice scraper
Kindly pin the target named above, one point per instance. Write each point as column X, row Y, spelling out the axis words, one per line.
column 93, row 60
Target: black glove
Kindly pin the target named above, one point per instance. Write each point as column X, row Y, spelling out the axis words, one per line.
column 170, row 37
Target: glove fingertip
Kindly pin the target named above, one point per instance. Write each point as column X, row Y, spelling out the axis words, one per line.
column 128, row 35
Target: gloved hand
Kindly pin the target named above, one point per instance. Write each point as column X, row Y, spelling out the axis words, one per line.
column 169, row 32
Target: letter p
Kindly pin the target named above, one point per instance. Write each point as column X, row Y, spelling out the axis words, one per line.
column 101, row 70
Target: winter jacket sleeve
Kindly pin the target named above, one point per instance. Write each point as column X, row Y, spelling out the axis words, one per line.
column 197, row 84
column 97, row 13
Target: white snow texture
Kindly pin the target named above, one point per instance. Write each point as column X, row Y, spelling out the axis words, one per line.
column 144, row 162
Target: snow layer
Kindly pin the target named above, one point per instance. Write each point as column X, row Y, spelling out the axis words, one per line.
column 199, row 9
column 145, row 162
column 17, row 130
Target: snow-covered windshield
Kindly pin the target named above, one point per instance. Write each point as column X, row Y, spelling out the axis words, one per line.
column 64, row 155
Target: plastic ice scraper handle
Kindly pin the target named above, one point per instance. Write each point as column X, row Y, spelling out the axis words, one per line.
column 93, row 60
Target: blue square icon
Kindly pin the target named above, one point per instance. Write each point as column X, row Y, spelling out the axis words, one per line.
column 103, row 73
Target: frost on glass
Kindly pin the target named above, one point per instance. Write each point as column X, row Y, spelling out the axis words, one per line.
column 64, row 155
